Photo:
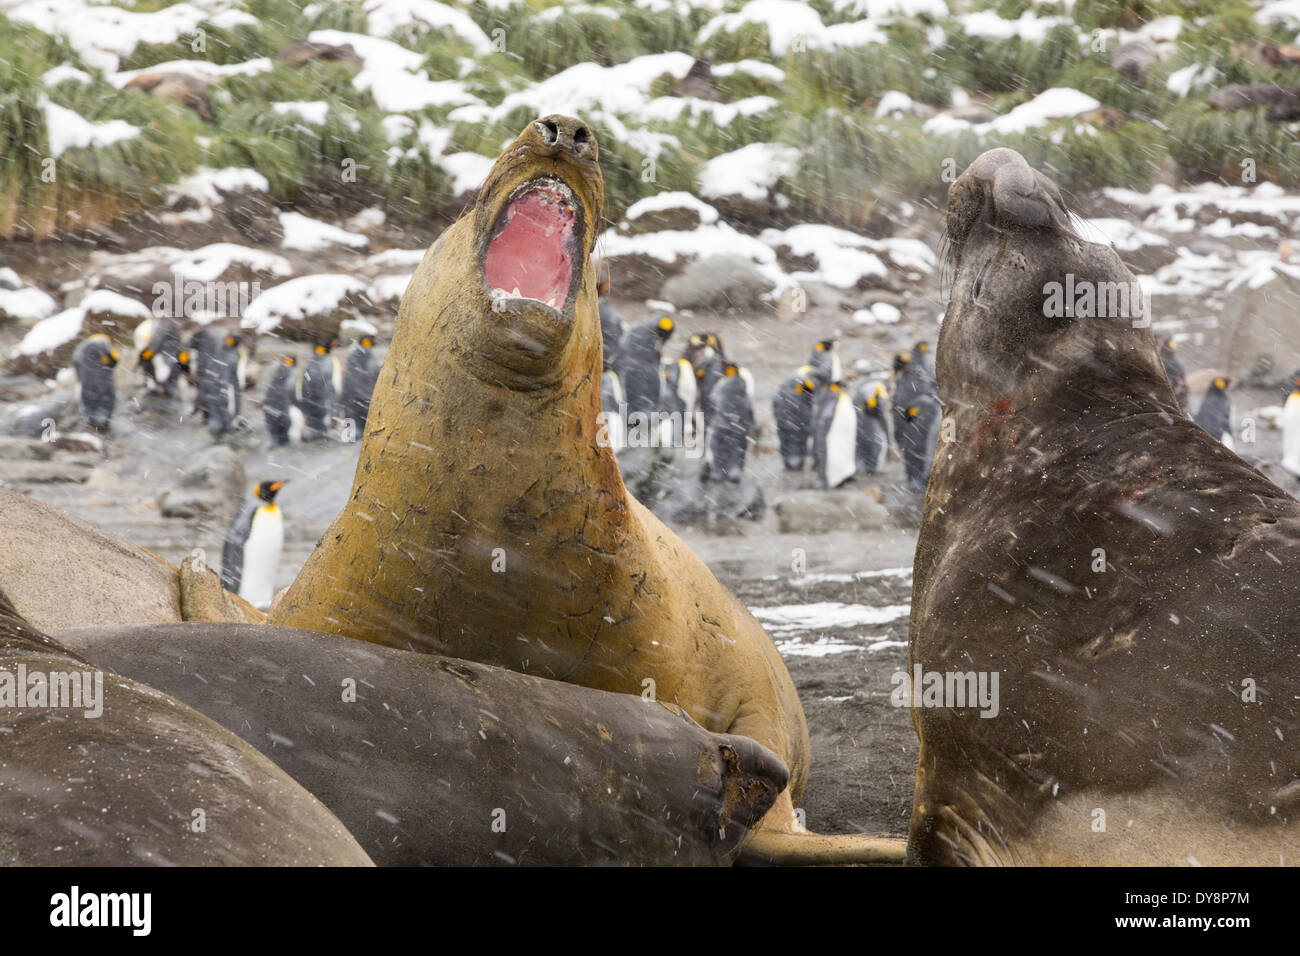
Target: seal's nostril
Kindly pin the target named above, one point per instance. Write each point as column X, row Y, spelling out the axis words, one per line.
column 581, row 136
column 550, row 132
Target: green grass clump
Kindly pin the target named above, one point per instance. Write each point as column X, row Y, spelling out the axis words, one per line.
column 983, row 65
column 1212, row 144
column 85, row 187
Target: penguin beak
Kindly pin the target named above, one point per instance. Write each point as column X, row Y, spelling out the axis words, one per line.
column 277, row 485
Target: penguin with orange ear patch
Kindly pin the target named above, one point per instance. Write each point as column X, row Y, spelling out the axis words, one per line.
column 317, row 395
column 250, row 555
column 1215, row 413
column 729, row 430
column 638, row 364
column 94, row 361
column 873, row 426
column 792, row 407
column 916, row 419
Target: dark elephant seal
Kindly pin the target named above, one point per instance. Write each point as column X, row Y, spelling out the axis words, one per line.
column 442, row 761
column 488, row 522
column 1132, row 583
column 122, row 787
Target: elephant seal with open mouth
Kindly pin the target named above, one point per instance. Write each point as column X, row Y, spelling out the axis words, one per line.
column 1130, row 582
column 487, row 521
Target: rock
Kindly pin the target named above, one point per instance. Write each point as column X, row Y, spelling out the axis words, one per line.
column 184, row 88
column 253, row 215
column 25, row 449
column 698, row 82
column 61, row 572
column 819, row 512
column 1283, row 102
column 973, row 113
column 1261, row 330
column 1263, row 53
column 211, row 486
column 793, row 305
column 668, row 211
column 1133, row 59
column 718, row 282
column 65, row 471
column 36, row 418
column 301, row 53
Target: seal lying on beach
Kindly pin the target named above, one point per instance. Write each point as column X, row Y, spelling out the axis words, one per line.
column 429, row 760
column 486, row 520
column 1130, row 582
column 119, row 775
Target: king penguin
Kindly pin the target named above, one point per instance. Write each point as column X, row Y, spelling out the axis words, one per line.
column 94, row 361
column 215, row 359
column 359, row 376
column 1291, row 427
column 250, row 556
column 826, row 363
column 317, row 395
column 916, row 419
column 284, row 419
column 835, row 438
column 733, row 420
column 873, row 426
column 1215, row 413
column 678, row 400
column 792, row 407
column 638, row 366
column 1173, row 370
column 157, row 349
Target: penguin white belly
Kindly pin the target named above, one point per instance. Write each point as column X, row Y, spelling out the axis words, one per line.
column 297, row 424
column 142, row 334
column 262, row 557
column 1291, row 435
column 1227, row 441
column 841, row 443
column 162, row 368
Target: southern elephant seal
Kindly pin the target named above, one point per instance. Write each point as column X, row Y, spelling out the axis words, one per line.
column 431, row 760
column 123, row 775
column 1130, row 583
column 486, row 520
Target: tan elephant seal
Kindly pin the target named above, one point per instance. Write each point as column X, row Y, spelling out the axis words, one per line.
column 1129, row 583
column 487, row 521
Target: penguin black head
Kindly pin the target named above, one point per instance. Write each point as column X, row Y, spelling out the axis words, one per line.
column 147, row 354
column 233, row 340
column 367, row 341
column 290, row 361
column 1295, row 378
column 1222, row 383
column 807, row 386
column 109, row 358
column 922, row 347
column 825, row 345
column 183, row 360
column 267, row 490
column 730, row 370
column 665, row 328
column 874, row 399
column 902, row 360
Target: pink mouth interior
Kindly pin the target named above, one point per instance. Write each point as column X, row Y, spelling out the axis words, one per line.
column 529, row 254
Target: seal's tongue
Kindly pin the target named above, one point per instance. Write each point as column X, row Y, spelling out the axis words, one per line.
column 530, row 252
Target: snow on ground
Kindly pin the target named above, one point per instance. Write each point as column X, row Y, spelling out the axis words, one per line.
column 395, row 75
column 26, row 303
column 313, row 112
column 48, row 334
column 210, row 262
column 825, row 615
column 69, row 130
column 202, row 69
column 385, row 16
column 1048, row 106
column 308, row 235
column 749, row 172
column 299, row 298
column 663, row 201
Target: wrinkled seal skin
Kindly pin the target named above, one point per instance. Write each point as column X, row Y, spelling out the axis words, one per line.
column 483, row 435
column 431, row 747
column 120, row 789
column 1120, row 691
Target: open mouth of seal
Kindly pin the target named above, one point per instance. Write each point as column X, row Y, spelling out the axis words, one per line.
column 533, row 249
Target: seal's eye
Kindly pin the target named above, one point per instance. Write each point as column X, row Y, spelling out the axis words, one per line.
column 978, row 287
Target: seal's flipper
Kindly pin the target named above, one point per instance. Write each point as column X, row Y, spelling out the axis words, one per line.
column 203, row 598
column 777, row 848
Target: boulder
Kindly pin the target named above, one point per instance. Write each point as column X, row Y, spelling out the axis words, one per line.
column 1261, row 329
column 719, row 283
column 820, row 512
column 210, row 486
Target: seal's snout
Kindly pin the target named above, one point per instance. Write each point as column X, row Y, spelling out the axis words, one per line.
column 565, row 135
